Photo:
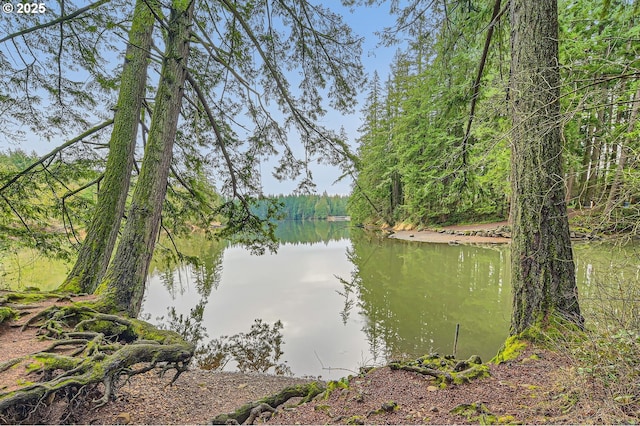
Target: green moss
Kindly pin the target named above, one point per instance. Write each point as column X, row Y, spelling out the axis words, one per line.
column 323, row 408
column 145, row 331
column 108, row 328
column 313, row 389
column 445, row 370
column 27, row 297
column 51, row 362
column 71, row 286
column 511, row 349
column 476, row 412
column 478, row 371
column 356, row 420
column 343, row 383
column 507, row 420
column 102, row 287
column 7, row 314
column 546, row 331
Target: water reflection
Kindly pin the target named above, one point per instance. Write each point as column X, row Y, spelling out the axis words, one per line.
column 258, row 350
column 340, row 301
column 329, row 302
column 311, row 232
column 413, row 295
column 295, row 287
column 199, row 262
column 608, row 278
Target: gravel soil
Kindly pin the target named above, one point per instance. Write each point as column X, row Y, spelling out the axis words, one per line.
column 532, row 389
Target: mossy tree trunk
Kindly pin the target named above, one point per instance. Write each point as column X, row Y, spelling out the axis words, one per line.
column 95, row 252
column 543, row 273
column 124, row 282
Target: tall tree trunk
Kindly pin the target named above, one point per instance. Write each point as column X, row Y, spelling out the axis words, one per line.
column 618, row 177
column 97, row 247
column 586, row 171
column 124, row 282
column 595, row 170
column 543, row 273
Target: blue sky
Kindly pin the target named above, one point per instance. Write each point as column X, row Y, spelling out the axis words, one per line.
column 365, row 21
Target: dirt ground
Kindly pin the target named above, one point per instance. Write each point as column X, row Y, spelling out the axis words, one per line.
column 530, row 390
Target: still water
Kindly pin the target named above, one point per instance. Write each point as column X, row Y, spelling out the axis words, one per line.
column 335, row 298
column 345, row 298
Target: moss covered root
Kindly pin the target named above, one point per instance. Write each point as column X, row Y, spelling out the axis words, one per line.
column 445, row 370
column 99, row 348
column 249, row 411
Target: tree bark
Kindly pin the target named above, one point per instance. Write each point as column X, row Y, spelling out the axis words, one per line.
column 95, row 252
column 124, row 282
column 543, row 274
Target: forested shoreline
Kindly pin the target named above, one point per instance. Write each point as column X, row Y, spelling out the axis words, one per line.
column 164, row 114
column 290, row 207
column 425, row 158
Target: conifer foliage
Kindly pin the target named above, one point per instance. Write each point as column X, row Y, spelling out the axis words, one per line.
column 229, row 85
column 434, row 146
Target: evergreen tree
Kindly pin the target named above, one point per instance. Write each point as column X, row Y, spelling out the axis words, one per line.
column 543, row 272
column 125, row 280
column 96, row 249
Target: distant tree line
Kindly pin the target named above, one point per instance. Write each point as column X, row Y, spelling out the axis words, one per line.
column 15, row 160
column 306, row 207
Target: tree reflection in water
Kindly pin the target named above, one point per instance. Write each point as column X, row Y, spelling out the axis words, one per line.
column 258, row 350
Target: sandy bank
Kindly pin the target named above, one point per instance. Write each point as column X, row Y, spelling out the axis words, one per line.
column 456, row 234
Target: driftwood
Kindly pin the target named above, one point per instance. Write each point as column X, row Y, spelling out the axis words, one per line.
column 249, row 411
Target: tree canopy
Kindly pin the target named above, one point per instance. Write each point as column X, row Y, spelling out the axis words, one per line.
column 254, row 75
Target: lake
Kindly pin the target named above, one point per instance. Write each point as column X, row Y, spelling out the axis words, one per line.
column 348, row 298
column 335, row 298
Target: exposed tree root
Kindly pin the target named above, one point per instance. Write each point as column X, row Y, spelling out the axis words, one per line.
column 445, row 370
column 88, row 348
column 248, row 412
column 441, row 376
